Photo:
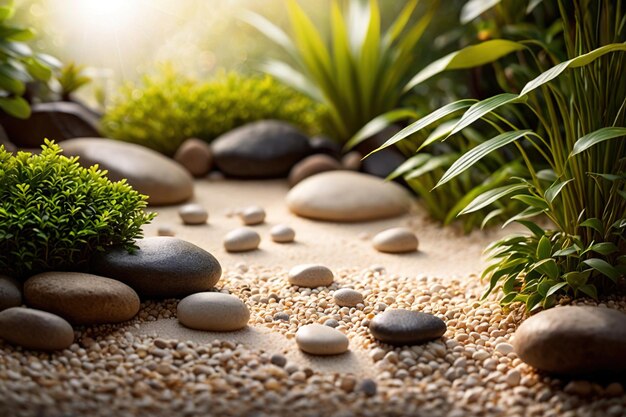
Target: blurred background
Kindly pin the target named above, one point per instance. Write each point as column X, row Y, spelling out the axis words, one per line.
column 119, row 40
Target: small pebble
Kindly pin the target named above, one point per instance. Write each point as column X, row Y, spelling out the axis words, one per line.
column 193, row 214
column 614, row 389
column 278, row 360
column 581, row 388
column 317, row 339
column 165, row 230
column 213, row 311
column 281, row 317
column 368, row 387
column 504, row 348
column 282, row 234
column 311, row 275
column 347, row 297
column 352, row 161
column 331, row 323
column 242, row 239
column 395, row 240
column 513, row 378
column 252, row 215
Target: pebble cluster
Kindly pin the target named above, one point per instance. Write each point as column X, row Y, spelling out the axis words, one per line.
column 470, row 371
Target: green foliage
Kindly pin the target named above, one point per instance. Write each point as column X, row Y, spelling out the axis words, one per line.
column 360, row 72
column 578, row 179
column 168, row 108
column 71, row 77
column 54, row 214
column 18, row 65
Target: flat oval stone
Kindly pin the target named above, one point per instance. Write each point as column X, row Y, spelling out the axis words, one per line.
column 10, row 293
column 213, row 311
column 147, row 171
column 312, row 165
column 163, row 267
column 196, row 156
column 395, row 240
column 282, row 234
column 311, row 275
column 263, row 149
column 166, row 230
column 252, row 215
column 347, row 297
column 82, row 298
column 346, row 196
column 193, row 214
column 352, row 160
column 318, row 339
column 574, row 340
column 405, row 327
column 35, row 329
column 242, row 239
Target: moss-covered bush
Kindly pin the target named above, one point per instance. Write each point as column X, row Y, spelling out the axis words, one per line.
column 54, row 214
column 167, row 108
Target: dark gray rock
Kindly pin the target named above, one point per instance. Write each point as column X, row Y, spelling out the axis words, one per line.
column 163, row 267
column 59, row 120
column 384, row 162
column 574, row 341
column 10, row 293
column 326, row 146
column 264, row 149
column 147, row 171
column 405, row 327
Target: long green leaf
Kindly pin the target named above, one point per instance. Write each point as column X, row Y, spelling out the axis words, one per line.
column 15, row 106
column 379, row 124
column 469, row 57
column 603, row 267
column 490, row 197
column 409, row 164
column 595, row 137
column 291, row 77
column 440, row 132
column 426, row 121
column 474, row 8
column 483, row 108
column 555, row 189
column 270, row 30
column 476, row 154
column 579, row 61
column 435, row 162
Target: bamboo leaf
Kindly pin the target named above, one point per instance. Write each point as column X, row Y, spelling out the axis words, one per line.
column 533, row 227
column 469, row 57
column 270, row 30
column 555, row 189
column 603, row 267
column 435, row 162
column 555, row 288
column 483, row 108
column 476, row 154
column 440, row 132
column 590, row 290
column 379, row 124
column 474, row 8
column 579, row 61
column 408, row 165
column 595, row 224
column 598, row 136
column 292, row 77
column 544, row 248
column 532, row 201
column 490, row 197
column 15, row 106
column 426, row 121
column 604, row 248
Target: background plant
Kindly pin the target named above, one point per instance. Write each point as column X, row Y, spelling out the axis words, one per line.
column 579, row 108
column 19, row 65
column 54, row 214
column 71, row 78
column 167, row 108
column 358, row 71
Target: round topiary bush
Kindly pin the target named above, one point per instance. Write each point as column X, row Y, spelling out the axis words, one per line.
column 54, row 214
column 167, row 108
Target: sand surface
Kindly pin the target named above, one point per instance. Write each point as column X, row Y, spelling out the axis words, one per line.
column 443, row 252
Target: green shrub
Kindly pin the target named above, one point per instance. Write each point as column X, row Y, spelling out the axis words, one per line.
column 168, row 108
column 54, row 214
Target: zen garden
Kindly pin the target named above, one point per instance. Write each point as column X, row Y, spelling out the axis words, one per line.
column 326, row 208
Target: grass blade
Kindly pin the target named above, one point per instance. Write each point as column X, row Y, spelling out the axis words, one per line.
column 378, row 124
column 593, row 138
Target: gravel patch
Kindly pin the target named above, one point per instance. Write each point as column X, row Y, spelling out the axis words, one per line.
column 131, row 369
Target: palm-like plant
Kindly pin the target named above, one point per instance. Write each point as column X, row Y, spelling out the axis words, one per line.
column 580, row 124
column 360, row 73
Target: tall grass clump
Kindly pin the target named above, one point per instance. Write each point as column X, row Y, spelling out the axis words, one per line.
column 574, row 151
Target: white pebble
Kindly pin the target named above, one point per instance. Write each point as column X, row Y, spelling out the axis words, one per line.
column 282, row 234
column 252, row 215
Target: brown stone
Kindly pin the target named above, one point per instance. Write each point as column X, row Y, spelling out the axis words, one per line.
column 196, row 156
